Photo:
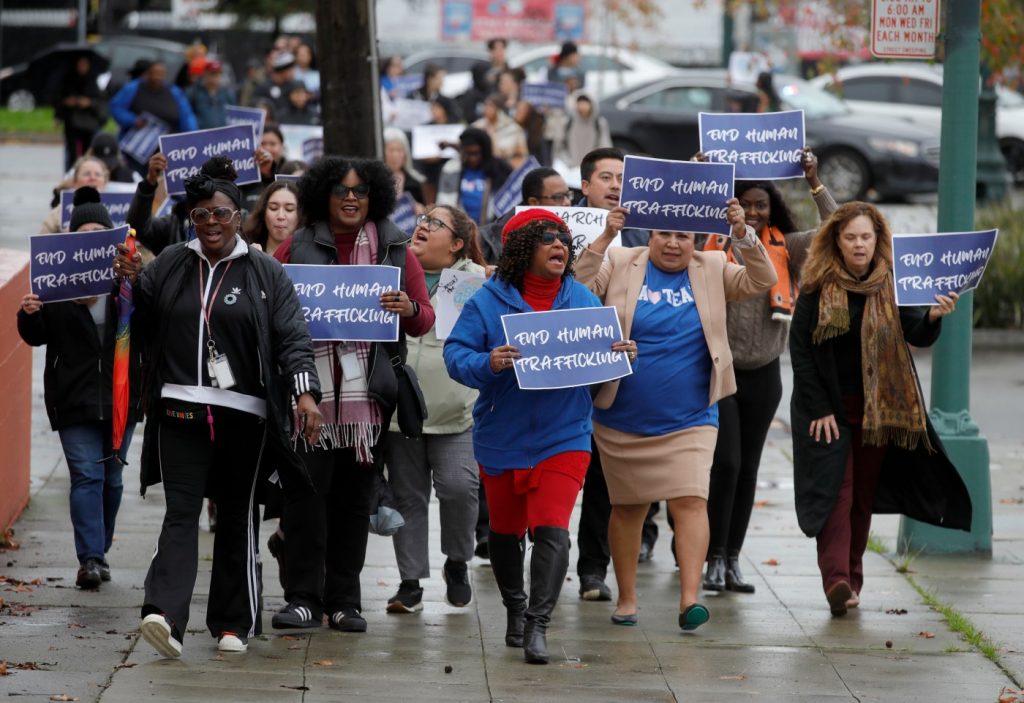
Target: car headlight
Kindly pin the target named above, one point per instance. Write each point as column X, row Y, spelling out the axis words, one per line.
column 896, row 146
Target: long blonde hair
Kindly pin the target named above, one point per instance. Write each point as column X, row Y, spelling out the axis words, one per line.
column 824, row 259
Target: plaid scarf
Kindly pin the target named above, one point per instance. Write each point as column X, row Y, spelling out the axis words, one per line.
column 782, row 296
column 894, row 411
column 351, row 418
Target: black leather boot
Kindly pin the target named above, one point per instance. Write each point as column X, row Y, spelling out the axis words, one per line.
column 548, row 564
column 733, row 578
column 714, row 578
column 507, row 563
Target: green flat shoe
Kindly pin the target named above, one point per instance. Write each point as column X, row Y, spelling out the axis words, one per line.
column 693, row 617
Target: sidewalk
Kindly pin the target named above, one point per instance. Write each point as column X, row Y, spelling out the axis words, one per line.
column 779, row 644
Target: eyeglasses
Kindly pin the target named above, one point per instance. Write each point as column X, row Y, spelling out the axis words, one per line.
column 557, row 196
column 201, row 216
column 431, row 223
column 361, row 191
column 550, row 237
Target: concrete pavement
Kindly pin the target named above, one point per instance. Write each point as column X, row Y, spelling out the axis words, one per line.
column 779, row 644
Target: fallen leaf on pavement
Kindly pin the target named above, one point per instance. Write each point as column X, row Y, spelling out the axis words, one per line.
column 126, row 665
column 292, row 637
column 382, row 582
column 770, row 562
column 926, row 635
column 28, row 666
column 3, row 669
column 762, row 503
column 295, row 646
column 218, row 658
column 896, row 611
column 569, row 664
column 323, row 662
column 1011, row 695
column 737, row 677
column 63, row 697
column 1012, row 501
column 75, row 626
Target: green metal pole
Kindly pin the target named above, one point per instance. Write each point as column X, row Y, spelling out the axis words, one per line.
column 951, row 355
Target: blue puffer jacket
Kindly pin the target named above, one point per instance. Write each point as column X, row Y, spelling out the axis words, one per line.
column 513, row 428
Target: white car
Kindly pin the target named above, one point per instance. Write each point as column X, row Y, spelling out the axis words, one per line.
column 912, row 92
column 607, row 69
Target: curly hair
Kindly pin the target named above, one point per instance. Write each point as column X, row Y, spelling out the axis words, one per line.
column 316, row 185
column 255, row 227
column 824, row 258
column 465, row 231
column 517, row 254
column 780, row 215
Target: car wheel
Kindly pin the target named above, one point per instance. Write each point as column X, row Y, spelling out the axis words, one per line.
column 21, row 101
column 845, row 173
column 1013, row 152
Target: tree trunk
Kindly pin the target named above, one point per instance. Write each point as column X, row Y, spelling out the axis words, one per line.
column 348, row 77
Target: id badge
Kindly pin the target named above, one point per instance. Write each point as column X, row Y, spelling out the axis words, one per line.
column 220, row 371
column 351, row 369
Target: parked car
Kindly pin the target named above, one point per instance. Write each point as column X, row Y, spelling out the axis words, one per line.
column 858, row 157
column 20, row 88
column 912, row 92
column 456, row 62
column 607, row 69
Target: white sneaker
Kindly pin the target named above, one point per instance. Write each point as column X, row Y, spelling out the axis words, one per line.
column 156, row 629
column 230, row 642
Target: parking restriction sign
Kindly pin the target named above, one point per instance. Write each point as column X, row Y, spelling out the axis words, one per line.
column 904, row 28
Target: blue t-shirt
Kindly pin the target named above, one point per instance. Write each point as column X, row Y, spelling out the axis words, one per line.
column 472, row 188
column 668, row 390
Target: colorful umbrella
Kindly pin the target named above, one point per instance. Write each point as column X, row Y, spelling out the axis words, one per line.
column 122, row 350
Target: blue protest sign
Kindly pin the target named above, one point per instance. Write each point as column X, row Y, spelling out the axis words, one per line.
column 511, row 192
column 404, row 214
column 76, row 265
column 677, row 196
column 186, row 153
column 406, row 84
column 764, row 146
column 566, row 348
column 140, row 142
column 342, row 303
column 312, row 149
column 236, row 114
column 926, row 265
column 544, row 94
column 117, row 205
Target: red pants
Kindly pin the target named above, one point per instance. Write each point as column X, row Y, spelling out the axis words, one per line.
column 844, row 538
column 543, row 496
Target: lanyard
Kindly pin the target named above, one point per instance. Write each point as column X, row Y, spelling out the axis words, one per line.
column 208, row 309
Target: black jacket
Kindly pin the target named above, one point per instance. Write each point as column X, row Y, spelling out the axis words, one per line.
column 154, row 233
column 78, row 380
column 921, row 485
column 285, row 350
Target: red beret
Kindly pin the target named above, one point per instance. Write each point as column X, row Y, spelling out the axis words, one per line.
column 526, row 217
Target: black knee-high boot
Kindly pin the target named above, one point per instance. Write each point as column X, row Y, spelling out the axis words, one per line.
column 507, row 563
column 548, row 564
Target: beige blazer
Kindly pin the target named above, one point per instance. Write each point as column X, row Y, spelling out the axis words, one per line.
column 617, row 281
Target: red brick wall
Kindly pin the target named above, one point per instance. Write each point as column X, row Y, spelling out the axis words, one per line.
column 15, row 390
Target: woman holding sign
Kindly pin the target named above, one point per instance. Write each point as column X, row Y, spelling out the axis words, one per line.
column 656, row 429
column 347, row 202
column 862, row 440
column 533, row 447
column 79, row 339
column 444, row 238
column 758, row 328
column 233, row 354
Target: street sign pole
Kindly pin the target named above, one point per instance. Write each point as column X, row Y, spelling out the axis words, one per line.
column 951, row 355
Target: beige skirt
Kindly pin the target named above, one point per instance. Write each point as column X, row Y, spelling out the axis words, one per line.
column 640, row 469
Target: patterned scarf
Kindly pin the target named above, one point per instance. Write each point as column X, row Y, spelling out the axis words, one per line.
column 894, row 410
column 351, row 418
column 782, row 296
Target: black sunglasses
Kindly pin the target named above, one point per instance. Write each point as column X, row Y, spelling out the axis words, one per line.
column 550, row 237
column 361, row 191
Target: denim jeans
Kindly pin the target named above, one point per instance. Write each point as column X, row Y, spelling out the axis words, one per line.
column 96, row 484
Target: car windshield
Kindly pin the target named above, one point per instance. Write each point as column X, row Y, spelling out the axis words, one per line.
column 815, row 102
